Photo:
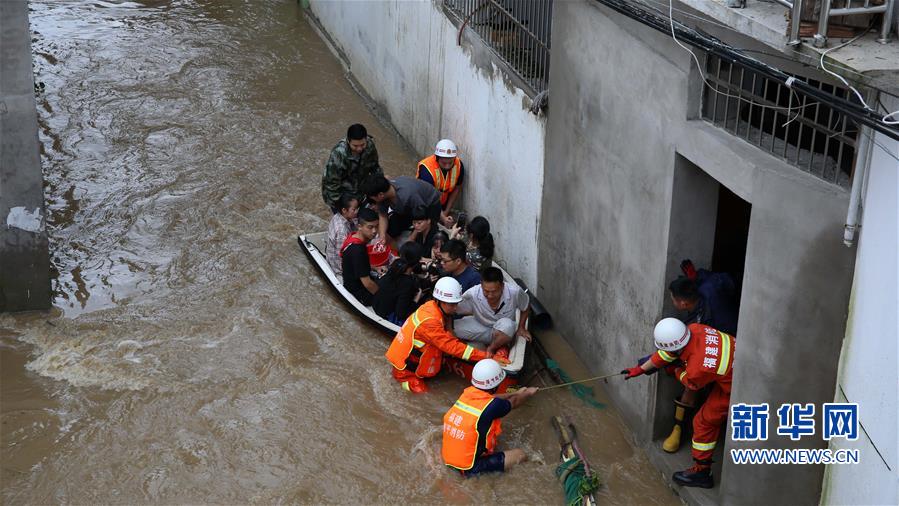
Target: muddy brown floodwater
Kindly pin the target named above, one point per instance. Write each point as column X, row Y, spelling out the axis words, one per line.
column 194, row 355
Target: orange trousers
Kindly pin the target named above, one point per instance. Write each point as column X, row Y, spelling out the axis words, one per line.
column 707, row 423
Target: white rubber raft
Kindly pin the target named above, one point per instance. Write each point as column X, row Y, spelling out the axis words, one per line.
column 314, row 246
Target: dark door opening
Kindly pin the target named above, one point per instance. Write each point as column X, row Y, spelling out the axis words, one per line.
column 731, row 233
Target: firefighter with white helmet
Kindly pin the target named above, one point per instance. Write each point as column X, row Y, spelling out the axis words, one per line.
column 698, row 356
column 417, row 350
column 445, row 171
column 472, row 425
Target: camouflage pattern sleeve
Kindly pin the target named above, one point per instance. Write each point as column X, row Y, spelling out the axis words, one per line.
column 332, row 179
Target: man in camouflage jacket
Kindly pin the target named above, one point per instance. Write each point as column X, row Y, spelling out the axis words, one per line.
column 351, row 161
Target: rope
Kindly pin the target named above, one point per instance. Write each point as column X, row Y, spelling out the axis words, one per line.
column 581, row 381
column 577, row 483
column 580, row 391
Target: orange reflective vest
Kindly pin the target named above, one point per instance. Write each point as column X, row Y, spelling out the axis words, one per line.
column 426, row 332
column 444, row 183
column 460, row 429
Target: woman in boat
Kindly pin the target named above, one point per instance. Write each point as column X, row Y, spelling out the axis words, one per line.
column 398, row 290
column 343, row 223
column 478, row 242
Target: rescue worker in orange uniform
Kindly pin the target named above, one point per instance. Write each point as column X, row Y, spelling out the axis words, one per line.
column 697, row 355
column 417, row 350
column 471, row 427
column 445, row 172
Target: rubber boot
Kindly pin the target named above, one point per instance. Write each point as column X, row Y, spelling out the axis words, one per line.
column 672, row 442
column 409, row 381
column 700, row 475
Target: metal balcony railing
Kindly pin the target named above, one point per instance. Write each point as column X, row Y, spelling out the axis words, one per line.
column 809, row 135
column 517, row 30
column 828, row 11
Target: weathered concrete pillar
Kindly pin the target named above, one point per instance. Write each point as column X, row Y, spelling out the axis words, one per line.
column 24, row 251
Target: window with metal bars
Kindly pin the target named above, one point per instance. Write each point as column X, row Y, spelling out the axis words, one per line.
column 803, row 132
column 517, row 30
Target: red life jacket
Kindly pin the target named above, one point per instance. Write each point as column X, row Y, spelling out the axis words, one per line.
column 350, row 239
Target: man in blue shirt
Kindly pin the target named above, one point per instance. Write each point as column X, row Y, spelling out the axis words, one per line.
column 709, row 298
column 455, row 264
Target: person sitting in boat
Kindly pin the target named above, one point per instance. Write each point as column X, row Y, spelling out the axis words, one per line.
column 343, row 223
column 354, row 256
column 398, row 289
column 472, row 425
column 455, row 264
column 423, row 229
column 479, row 242
column 352, row 160
column 444, row 171
column 401, row 195
column 416, row 352
column 430, row 270
column 490, row 309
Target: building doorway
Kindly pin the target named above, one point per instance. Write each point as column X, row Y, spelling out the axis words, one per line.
column 709, row 224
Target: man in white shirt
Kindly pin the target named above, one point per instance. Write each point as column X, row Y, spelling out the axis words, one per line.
column 491, row 308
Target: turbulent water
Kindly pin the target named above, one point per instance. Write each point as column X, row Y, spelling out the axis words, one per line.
column 194, row 355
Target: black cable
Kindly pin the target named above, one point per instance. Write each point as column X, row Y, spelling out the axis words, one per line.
column 714, row 46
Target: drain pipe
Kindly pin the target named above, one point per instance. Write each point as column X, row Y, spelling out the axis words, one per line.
column 859, row 182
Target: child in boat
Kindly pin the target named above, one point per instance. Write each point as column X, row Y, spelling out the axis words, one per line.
column 343, row 223
column 354, row 256
column 398, row 290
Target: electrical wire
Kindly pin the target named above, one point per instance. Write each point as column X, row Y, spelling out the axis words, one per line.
column 820, row 65
column 861, row 99
column 813, row 61
column 710, row 44
column 738, row 97
column 881, row 146
column 838, row 76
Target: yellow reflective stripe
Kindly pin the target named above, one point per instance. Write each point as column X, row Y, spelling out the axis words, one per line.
column 725, row 354
column 666, row 356
column 454, row 172
column 682, row 374
column 468, row 351
column 406, row 386
column 416, row 322
column 471, row 410
column 703, row 446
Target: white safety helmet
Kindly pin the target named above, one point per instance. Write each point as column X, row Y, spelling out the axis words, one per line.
column 671, row 334
column 445, row 148
column 448, row 290
column 487, row 374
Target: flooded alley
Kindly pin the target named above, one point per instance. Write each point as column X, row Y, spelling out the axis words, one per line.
column 194, row 355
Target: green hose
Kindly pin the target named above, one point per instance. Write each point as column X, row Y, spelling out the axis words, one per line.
column 576, row 482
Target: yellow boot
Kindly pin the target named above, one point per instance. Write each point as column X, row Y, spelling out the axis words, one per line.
column 672, row 442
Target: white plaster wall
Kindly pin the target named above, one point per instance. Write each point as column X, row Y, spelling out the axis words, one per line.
column 404, row 54
column 871, row 343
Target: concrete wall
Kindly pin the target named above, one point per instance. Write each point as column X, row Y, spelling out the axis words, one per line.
column 404, row 55
column 621, row 106
column 24, row 254
column 870, row 339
